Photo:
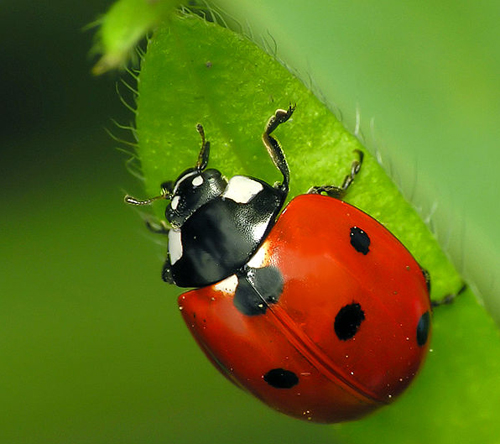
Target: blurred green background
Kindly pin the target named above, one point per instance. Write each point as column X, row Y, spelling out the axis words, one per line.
column 90, row 338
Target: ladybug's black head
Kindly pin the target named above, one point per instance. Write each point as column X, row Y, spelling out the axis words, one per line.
column 192, row 189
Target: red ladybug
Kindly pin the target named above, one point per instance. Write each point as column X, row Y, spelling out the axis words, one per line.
column 320, row 312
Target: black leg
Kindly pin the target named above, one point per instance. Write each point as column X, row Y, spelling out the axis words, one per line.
column 340, row 192
column 273, row 147
column 427, row 277
column 166, row 273
column 202, row 162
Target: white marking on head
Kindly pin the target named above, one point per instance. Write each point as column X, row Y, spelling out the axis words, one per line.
column 174, row 245
column 182, row 179
column 227, row 285
column 197, row 181
column 242, row 189
column 175, row 202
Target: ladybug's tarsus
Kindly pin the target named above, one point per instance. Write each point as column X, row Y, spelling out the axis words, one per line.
column 139, row 203
column 202, row 162
column 340, row 192
column 427, row 278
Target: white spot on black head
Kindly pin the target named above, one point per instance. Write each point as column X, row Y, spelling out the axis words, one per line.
column 182, row 179
column 174, row 245
column 242, row 189
column 175, row 202
column 197, row 181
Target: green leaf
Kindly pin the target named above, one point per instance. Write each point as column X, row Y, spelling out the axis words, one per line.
column 198, row 72
column 121, row 28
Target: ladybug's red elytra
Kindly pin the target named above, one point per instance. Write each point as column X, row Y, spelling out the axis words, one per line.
column 319, row 311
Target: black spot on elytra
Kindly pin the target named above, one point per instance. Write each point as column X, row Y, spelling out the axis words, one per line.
column 257, row 288
column 423, row 328
column 348, row 321
column 281, row 379
column 360, row 240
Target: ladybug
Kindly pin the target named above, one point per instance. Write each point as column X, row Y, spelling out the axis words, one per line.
column 317, row 310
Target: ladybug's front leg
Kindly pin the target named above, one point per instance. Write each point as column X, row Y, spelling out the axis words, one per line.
column 340, row 192
column 162, row 228
column 273, row 147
